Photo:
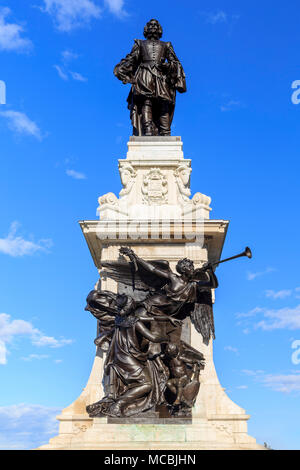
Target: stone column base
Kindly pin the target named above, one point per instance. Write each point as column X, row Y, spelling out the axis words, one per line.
column 201, row 435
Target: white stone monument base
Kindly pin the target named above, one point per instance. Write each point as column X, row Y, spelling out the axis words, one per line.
column 200, row 435
column 156, row 190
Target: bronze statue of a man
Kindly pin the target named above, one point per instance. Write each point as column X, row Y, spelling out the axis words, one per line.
column 155, row 73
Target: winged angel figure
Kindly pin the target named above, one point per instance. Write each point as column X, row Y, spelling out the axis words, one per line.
column 147, row 363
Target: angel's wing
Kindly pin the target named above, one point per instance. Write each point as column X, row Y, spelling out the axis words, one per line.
column 125, row 273
column 191, row 353
column 202, row 316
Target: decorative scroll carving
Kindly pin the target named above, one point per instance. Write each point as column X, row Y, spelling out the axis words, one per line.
column 201, row 199
column 109, row 198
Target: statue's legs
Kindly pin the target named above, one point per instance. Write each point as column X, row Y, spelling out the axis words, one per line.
column 162, row 108
column 164, row 118
column 181, row 383
column 128, row 398
column 147, row 117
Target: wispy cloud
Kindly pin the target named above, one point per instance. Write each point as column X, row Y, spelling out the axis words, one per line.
column 251, row 276
column 62, row 74
column 220, row 16
column 242, row 387
column 251, row 313
column 11, row 34
column 217, row 17
column 280, row 294
column 68, row 56
column 49, row 341
column 283, row 318
column 21, row 124
column 116, row 7
column 63, row 70
column 76, row 175
column 33, row 357
column 78, row 77
column 253, row 373
column 12, row 329
column 15, row 245
column 231, row 105
column 231, row 349
column 24, row 427
column 72, row 14
column 273, row 319
column 285, row 383
column 297, row 290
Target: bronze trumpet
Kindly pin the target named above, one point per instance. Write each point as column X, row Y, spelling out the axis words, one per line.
column 247, row 252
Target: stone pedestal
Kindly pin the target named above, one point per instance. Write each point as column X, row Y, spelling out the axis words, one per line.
column 156, row 215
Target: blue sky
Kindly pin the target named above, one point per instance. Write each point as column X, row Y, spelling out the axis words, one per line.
column 62, row 129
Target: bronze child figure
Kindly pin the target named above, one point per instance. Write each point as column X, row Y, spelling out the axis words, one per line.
column 184, row 380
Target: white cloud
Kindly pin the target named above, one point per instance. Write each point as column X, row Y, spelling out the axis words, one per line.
column 230, row 106
column 24, row 427
column 283, row 318
column 63, row 75
column 67, row 56
column 116, row 7
column 64, row 72
column 231, row 349
column 71, row 14
column 76, row 174
column 3, row 352
column 11, row 34
column 252, row 276
column 242, row 387
column 281, row 294
column 15, row 245
column 220, row 16
column 283, row 383
column 78, row 77
column 246, row 331
column 21, row 124
column 32, row 357
column 252, row 373
column 286, row 383
column 11, row 329
column 273, row 319
column 297, row 290
column 49, row 341
column 217, row 17
column 251, row 313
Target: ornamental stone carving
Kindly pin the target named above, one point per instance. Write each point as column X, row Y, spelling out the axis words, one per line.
column 128, row 176
column 109, row 198
column 182, row 176
column 155, row 187
column 201, row 199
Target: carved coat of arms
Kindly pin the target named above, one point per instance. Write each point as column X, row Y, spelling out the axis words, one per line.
column 155, row 187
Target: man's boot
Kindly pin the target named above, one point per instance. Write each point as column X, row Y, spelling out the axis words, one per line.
column 164, row 120
column 147, row 118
